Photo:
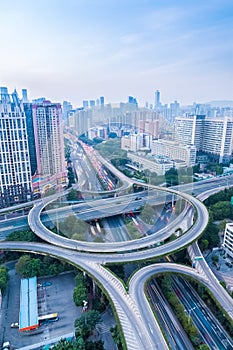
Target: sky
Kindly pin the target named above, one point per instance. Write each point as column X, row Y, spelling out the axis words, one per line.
column 77, row 50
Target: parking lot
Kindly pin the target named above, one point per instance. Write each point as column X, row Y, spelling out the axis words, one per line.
column 56, row 296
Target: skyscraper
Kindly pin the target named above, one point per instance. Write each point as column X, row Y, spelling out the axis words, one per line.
column 102, row 100
column 25, row 95
column 47, row 121
column 15, row 171
column 31, row 137
column 157, row 100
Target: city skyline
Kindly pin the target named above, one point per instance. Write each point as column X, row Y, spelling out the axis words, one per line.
column 82, row 50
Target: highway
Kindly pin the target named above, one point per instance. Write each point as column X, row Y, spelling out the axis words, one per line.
column 192, row 234
column 176, row 336
column 210, row 329
column 139, row 326
column 131, row 306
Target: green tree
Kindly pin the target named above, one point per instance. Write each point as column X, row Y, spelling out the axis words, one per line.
column 203, row 347
column 85, row 325
column 79, row 294
column 147, row 214
column 98, row 345
column 4, row 277
column 28, row 267
column 72, row 225
column 26, row 235
column 215, row 259
column 116, row 336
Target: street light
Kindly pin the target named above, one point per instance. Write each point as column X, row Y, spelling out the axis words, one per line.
column 189, row 313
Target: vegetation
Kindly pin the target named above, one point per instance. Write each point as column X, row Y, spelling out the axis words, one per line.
column 220, row 208
column 71, row 176
column 187, row 323
column 216, row 308
column 99, row 299
column 78, row 344
column 4, row 277
column 133, row 231
column 26, row 235
column 30, row 265
column 148, row 214
column 74, row 195
column 81, row 289
column 111, row 149
column 85, row 325
column 73, row 228
column 116, row 336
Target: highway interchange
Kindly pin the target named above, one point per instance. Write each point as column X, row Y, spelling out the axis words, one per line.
column 139, row 326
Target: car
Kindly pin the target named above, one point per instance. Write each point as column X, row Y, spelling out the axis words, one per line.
column 15, row 325
column 6, row 345
column 228, row 264
column 46, row 284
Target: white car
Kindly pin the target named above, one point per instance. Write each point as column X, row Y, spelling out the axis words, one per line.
column 6, row 345
column 15, row 325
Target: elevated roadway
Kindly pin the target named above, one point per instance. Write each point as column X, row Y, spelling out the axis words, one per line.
column 192, row 234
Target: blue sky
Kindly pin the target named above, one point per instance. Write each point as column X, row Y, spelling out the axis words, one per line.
column 82, row 49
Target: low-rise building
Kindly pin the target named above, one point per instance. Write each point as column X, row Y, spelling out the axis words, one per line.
column 158, row 165
column 175, row 151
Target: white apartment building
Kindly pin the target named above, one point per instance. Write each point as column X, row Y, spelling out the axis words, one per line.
column 15, row 171
column 174, row 151
column 189, row 130
column 218, row 138
column 136, row 142
column 228, row 240
column 213, row 136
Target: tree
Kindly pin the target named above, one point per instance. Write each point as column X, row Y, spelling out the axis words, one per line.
column 72, row 225
column 215, row 259
column 26, row 235
column 79, row 294
column 147, row 214
column 28, row 267
column 85, row 325
column 64, row 344
column 4, row 277
column 203, row 347
column 116, row 336
column 98, row 345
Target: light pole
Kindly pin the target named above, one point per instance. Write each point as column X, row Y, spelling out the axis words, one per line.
column 189, row 313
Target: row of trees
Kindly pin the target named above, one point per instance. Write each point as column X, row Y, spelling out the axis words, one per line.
column 30, row 265
column 4, row 277
column 81, row 289
column 220, row 208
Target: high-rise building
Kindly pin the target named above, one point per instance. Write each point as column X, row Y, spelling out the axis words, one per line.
column 47, row 121
column 92, row 103
column 66, row 107
column 31, row 137
column 85, row 104
column 25, row 95
column 190, row 130
column 15, row 171
column 102, row 100
column 157, row 100
column 213, row 136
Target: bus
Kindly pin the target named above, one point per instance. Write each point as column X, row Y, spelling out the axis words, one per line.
column 48, row 318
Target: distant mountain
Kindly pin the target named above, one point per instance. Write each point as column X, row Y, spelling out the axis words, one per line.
column 221, row 103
